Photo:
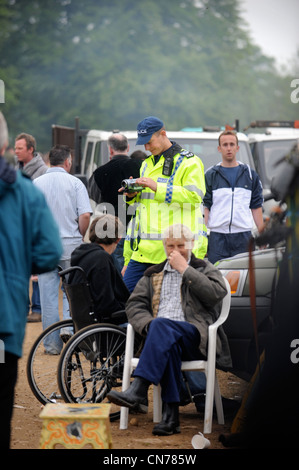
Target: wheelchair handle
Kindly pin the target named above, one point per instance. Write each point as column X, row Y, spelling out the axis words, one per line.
column 63, row 273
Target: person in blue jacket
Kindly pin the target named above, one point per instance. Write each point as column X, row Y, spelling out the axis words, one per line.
column 29, row 244
column 232, row 203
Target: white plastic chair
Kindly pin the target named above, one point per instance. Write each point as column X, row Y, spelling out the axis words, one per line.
column 208, row 366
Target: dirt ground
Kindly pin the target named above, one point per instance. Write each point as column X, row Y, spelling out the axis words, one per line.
column 26, row 423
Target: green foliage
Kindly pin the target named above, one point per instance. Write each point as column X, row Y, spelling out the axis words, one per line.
column 112, row 62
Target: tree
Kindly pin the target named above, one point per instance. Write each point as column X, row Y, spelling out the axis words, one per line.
column 112, row 62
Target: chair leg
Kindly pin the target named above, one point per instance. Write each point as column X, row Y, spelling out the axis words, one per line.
column 124, row 418
column 124, row 411
column 157, row 404
column 208, row 417
column 218, row 403
column 209, row 402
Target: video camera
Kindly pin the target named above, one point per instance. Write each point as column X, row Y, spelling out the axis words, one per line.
column 131, row 186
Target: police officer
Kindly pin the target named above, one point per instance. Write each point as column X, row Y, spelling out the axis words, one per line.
column 173, row 185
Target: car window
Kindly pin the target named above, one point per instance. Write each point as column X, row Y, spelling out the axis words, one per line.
column 206, row 149
column 88, row 157
column 101, row 155
column 273, row 152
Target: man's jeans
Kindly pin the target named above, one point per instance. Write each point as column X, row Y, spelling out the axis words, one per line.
column 35, row 299
column 118, row 255
column 167, row 343
column 134, row 272
column 49, row 295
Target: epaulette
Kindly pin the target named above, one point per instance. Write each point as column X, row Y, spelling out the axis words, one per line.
column 187, row 153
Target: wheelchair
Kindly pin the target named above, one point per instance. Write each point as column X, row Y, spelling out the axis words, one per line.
column 91, row 360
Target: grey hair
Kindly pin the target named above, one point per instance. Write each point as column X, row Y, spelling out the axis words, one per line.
column 178, row 231
column 118, row 142
column 3, row 132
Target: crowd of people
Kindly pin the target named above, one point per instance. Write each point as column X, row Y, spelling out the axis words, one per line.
column 149, row 253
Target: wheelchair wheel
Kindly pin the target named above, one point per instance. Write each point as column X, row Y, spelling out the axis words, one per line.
column 92, row 364
column 42, row 367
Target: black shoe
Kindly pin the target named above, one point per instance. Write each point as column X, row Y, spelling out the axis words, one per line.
column 34, row 317
column 170, row 423
column 135, row 397
column 65, row 337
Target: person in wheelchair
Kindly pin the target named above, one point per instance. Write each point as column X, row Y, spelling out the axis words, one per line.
column 108, row 291
column 172, row 305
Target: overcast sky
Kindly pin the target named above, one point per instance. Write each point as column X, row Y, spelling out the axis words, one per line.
column 274, row 26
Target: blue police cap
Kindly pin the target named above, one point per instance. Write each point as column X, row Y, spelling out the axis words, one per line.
column 146, row 128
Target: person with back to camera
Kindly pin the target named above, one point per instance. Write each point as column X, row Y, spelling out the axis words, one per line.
column 30, row 243
column 68, row 200
column 173, row 305
column 108, row 290
column 233, row 200
column 138, row 155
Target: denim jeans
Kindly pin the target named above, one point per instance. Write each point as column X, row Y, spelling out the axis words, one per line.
column 118, row 255
column 35, row 299
column 167, row 343
column 49, row 295
column 134, row 272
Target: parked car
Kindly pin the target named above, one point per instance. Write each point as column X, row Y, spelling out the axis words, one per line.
column 265, row 265
column 239, row 325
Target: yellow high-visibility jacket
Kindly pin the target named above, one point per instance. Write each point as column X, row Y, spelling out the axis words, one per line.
column 178, row 199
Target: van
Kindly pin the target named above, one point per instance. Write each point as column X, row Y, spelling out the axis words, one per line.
column 202, row 143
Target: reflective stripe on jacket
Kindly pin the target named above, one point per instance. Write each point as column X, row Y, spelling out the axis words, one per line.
column 178, row 199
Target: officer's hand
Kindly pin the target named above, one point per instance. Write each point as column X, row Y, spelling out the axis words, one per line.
column 127, row 194
column 147, row 183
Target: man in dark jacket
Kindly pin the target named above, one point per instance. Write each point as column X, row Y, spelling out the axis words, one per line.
column 108, row 290
column 106, row 181
column 173, row 304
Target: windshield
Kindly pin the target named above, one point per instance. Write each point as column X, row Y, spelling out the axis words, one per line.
column 273, row 152
column 206, row 149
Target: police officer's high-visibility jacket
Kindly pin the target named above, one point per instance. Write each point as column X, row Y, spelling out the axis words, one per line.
column 178, row 199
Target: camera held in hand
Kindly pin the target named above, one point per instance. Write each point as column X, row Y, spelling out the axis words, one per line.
column 131, row 186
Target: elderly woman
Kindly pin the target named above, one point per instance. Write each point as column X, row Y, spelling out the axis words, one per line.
column 173, row 304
